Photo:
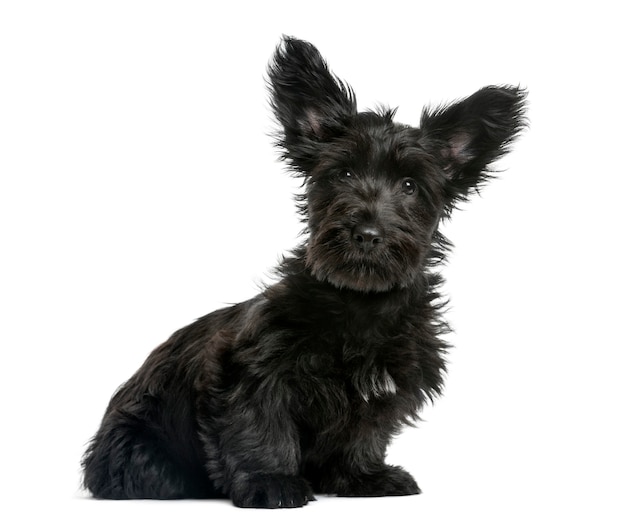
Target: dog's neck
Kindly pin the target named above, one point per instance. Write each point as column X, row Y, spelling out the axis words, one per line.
column 300, row 287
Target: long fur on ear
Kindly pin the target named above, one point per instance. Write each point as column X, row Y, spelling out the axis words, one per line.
column 472, row 133
column 310, row 103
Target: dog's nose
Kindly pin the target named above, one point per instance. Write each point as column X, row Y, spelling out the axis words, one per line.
column 367, row 236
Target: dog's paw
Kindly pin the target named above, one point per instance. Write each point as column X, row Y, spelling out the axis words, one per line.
column 389, row 481
column 272, row 491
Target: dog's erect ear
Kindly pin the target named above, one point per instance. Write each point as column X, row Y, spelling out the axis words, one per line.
column 310, row 103
column 470, row 134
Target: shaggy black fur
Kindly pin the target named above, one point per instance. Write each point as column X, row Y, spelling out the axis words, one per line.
column 300, row 389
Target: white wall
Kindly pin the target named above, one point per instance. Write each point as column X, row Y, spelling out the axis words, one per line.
column 139, row 190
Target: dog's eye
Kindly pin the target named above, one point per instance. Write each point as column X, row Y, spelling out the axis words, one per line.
column 345, row 175
column 409, row 186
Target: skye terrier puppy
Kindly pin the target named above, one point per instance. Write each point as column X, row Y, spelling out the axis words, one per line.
column 301, row 388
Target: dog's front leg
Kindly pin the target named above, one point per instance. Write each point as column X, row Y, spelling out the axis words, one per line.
column 259, row 449
column 358, row 467
column 378, row 480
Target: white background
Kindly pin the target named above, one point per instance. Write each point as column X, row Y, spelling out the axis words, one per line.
column 139, row 190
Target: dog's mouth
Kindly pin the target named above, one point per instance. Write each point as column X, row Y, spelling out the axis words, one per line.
column 352, row 263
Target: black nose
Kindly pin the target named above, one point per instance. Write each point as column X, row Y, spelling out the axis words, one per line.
column 367, row 236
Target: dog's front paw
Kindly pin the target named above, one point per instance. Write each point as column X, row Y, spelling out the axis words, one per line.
column 271, row 491
column 389, row 481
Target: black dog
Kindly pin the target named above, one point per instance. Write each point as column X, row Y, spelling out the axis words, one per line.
column 300, row 389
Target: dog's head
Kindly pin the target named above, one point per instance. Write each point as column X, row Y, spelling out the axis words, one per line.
column 376, row 190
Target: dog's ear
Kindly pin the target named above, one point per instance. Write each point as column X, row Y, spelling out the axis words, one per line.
column 310, row 103
column 470, row 134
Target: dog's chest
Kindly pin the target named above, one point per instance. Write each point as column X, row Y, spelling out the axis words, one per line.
column 341, row 393
column 350, row 371
column 374, row 382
